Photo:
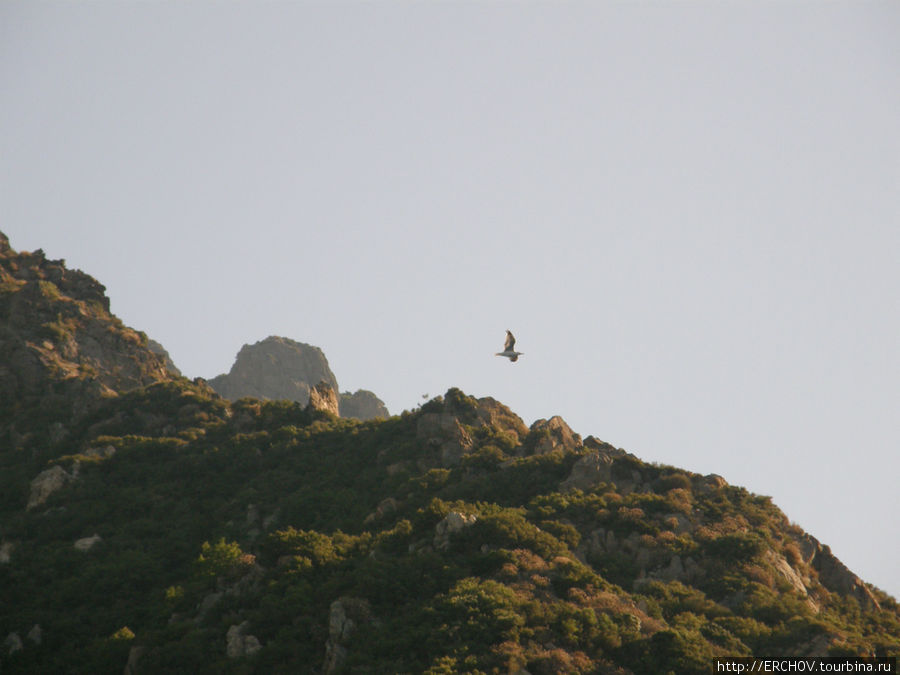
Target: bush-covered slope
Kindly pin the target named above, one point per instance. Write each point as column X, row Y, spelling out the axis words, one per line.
column 265, row 537
column 148, row 525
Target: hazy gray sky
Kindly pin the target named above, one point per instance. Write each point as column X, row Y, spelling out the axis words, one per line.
column 687, row 212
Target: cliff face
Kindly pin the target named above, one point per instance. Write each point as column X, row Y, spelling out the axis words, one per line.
column 159, row 350
column 276, row 368
column 279, row 368
column 363, row 405
column 60, row 347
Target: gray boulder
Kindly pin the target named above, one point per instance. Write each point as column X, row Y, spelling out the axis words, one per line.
column 238, row 643
column 85, row 544
column 454, row 522
column 36, row 634
column 12, row 643
column 345, row 616
column 6, row 549
column 46, row 483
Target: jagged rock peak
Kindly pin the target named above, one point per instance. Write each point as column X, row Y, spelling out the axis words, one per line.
column 442, row 423
column 477, row 412
column 56, row 332
column 323, row 398
column 20, row 267
column 275, row 368
column 363, row 405
column 279, row 368
column 834, row 574
column 553, row 434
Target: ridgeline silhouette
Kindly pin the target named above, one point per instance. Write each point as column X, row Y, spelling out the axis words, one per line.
column 149, row 524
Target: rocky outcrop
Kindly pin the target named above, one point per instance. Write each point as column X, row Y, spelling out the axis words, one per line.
column 323, row 399
column 709, row 483
column 6, row 549
column 345, row 616
column 55, row 325
column 453, row 522
column 279, row 368
column 443, row 426
column 833, row 574
column 589, row 472
column 548, row 435
column 491, row 413
column 275, row 368
column 816, row 561
column 12, row 643
column 363, row 405
column 159, row 350
column 60, row 348
column 614, row 467
column 85, row 544
column 46, row 483
column 385, row 508
column 786, row 572
column 134, row 656
column 238, row 643
column 209, row 601
column 100, row 452
column 36, row 634
column 444, row 433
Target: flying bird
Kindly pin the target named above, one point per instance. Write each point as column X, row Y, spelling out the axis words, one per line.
column 509, row 348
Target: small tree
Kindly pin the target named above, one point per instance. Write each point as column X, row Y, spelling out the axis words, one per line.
column 222, row 559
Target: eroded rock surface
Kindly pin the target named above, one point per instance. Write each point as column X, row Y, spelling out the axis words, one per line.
column 46, row 483
column 276, row 368
column 279, row 368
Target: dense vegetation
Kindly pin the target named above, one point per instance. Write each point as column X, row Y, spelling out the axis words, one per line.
column 268, row 513
column 151, row 526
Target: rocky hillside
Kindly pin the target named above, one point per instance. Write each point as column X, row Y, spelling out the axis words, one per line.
column 278, row 368
column 166, row 529
column 60, row 348
column 159, row 350
column 362, row 404
column 57, row 326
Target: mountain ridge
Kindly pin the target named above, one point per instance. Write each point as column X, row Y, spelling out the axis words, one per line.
column 281, row 368
column 156, row 526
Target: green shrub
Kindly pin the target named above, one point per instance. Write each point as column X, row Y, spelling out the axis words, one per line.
column 739, row 547
column 479, row 612
column 220, row 560
column 672, row 481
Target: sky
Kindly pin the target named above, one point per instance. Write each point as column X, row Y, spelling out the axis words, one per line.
column 687, row 212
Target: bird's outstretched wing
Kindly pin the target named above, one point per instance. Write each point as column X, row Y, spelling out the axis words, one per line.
column 510, row 342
